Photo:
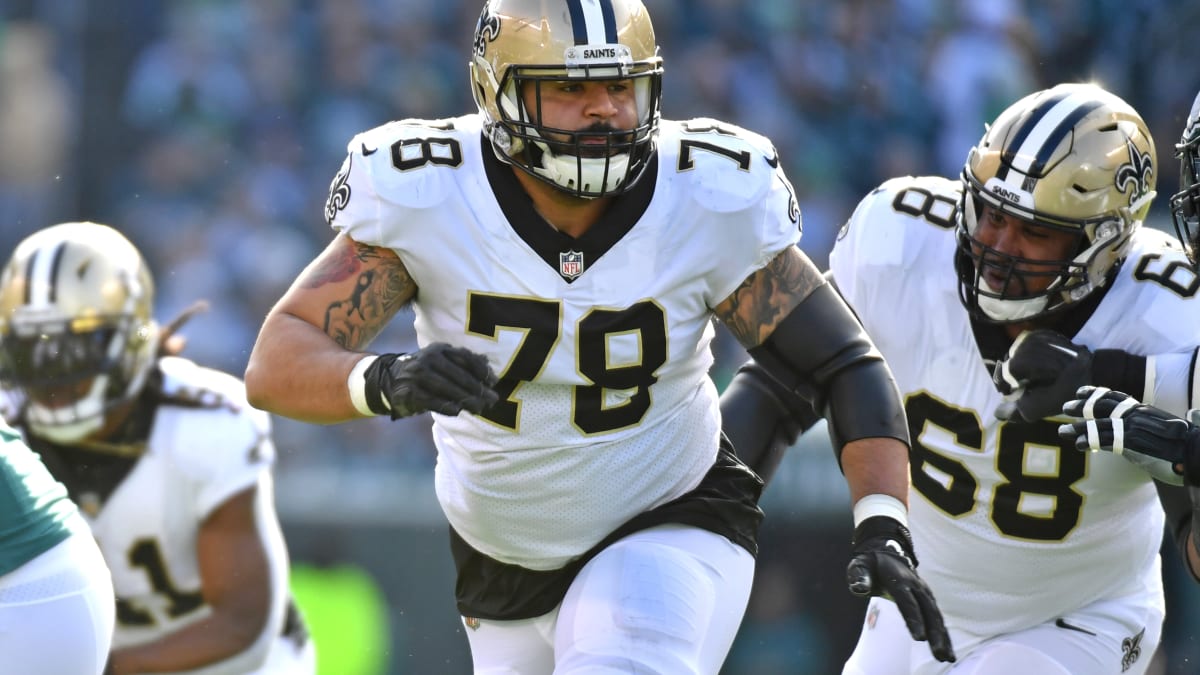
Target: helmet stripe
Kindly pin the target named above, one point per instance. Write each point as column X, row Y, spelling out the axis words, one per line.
column 593, row 21
column 1034, row 143
column 1024, row 130
column 610, row 22
column 40, row 286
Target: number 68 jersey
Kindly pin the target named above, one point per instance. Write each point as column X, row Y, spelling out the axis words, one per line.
column 1012, row 527
column 601, row 343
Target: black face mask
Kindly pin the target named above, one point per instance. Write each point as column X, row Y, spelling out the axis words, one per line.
column 54, row 358
column 1185, row 204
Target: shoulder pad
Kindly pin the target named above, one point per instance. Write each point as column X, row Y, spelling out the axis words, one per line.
column 221, row 431
column 405, row 161
column 1157, row 257
column 727, row 167
column 1153, row 297
column 1147, row 239
column 897, row 221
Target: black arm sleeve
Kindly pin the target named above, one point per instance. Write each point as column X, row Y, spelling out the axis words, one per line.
column 822, row 345
column 1181, row 513
column 1121, row 371
column 762, row 419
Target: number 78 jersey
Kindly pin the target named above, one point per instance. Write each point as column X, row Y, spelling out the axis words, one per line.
column 601, row 343
column 1011, row 526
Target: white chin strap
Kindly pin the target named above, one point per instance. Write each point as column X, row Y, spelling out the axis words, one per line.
column 72, row 423
column 1008, row 310
column 563, row 170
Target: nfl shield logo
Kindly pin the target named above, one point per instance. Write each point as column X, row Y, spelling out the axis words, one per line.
column 570, row 264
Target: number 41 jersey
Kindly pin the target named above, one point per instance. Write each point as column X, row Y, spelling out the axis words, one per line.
column 601, row 343
column 1012, row 528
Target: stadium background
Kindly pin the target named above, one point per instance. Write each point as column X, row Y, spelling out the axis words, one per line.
column 208, row 131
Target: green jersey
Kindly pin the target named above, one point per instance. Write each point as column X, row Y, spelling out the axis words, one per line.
column 35, row 513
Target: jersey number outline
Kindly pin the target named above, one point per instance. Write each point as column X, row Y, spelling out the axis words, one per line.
column 1147, row 271
column 147, row 554
column 741, row 158
column 957, row 495
column 927, row 209
column 541, row 322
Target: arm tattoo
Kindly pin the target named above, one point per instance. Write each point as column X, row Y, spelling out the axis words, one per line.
column 757, row 306
column 382, row 286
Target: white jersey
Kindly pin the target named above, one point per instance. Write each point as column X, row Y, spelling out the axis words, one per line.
column 601, row 343
column 195, row 459
column 1011, row 528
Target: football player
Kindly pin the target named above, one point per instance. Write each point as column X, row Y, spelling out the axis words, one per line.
column 56, row 599
column 995, row 297
column 170, row 466
column 1167, row 447
column 565, row 250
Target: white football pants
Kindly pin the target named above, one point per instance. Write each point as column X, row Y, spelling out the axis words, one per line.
column 1108, row 637
column 57, row 611
column 667, row 600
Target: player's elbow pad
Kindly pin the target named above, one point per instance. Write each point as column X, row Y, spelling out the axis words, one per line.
column 821, row 345
column 762, row 419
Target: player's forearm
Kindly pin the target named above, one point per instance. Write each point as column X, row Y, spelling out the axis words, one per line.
column 876, row 466
column 222, row 637
column 297, row 371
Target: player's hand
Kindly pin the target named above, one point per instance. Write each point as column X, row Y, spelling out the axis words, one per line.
column 883, row 564
column 1165, row 446
column 440, row 378
column 1041, row 370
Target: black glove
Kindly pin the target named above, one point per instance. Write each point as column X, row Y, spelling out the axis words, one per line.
column 884, row 564
column 1041, row 370
column 1165, row 446
column 440, row 378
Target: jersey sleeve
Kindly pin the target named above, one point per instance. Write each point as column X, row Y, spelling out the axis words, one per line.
column 894, row 227
column 390, row 170
column 735, row 178
column 1151, row 310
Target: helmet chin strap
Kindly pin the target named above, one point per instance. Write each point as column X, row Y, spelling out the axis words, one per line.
column 1008, row 310
column 564, row 170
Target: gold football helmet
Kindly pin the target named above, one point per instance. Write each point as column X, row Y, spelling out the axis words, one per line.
column 77, row 335
column 1185, row 204
column 523, row 43
column 1074, row 158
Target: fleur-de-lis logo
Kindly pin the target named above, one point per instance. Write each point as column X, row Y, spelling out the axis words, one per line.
column 339, row 191
column 487, row 30
column 1133, row 178
column 1131, row 648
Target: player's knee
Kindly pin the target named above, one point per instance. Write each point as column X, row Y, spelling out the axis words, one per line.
column 1006, row 658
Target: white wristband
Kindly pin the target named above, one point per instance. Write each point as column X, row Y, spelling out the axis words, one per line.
column 880, row 505
column 357, row 384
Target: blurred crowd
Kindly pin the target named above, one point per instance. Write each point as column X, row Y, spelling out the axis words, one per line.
column 209, row 130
